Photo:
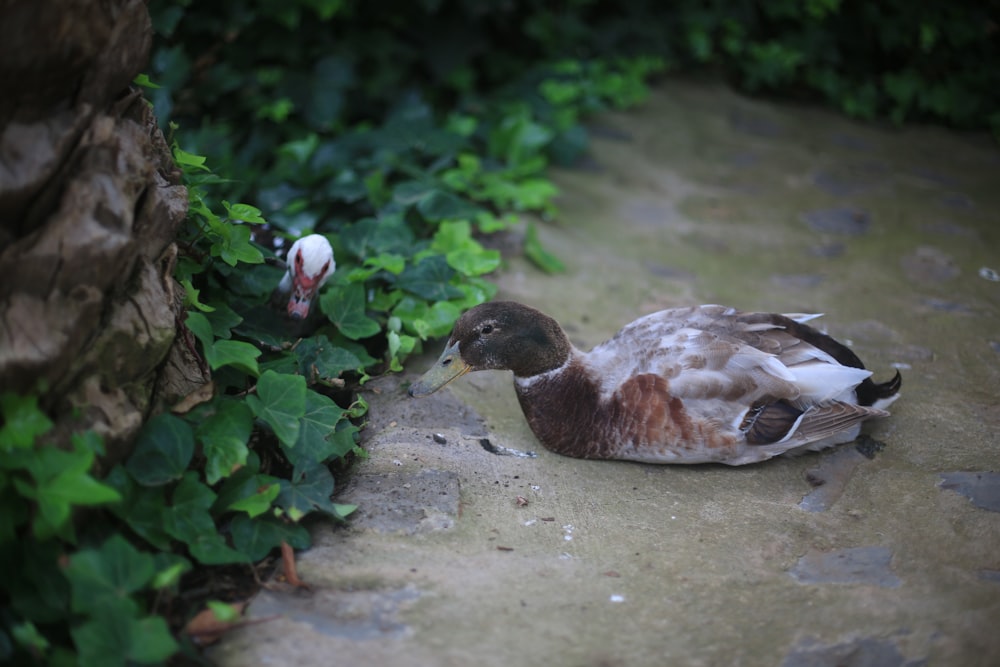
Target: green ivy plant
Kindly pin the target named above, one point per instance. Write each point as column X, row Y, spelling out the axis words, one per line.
column 71, row 596
column 407, row 197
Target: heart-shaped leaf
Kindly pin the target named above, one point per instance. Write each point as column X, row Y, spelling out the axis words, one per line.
column 345, row 306
column 280, row 402
column 223, row 436
column 430, row 279
column 315, row 443
column 162, row 451
column 257, row 537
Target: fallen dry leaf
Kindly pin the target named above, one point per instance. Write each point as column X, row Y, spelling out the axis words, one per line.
column 205, row 628
column 288, row 564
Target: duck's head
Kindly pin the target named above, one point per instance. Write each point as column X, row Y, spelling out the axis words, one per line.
column 502, row 335
column 310, row 265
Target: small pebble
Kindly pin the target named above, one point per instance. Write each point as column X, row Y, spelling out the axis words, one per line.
column 617, row 598
column 440, row 439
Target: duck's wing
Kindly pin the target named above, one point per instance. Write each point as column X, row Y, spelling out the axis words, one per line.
column 732, row 361
column 717, row 350
column 823, row 422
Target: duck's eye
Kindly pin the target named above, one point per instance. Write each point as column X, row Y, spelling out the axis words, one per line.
column 487, row 329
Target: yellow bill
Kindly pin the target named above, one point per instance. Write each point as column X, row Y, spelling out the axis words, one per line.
column 448, row 367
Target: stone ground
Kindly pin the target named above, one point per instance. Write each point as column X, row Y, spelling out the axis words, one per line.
column 464, row 554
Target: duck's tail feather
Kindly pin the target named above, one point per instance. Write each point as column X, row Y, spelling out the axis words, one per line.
column 879, row 394
column 868, row 392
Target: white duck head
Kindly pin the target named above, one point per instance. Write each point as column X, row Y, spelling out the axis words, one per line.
column 310, row 264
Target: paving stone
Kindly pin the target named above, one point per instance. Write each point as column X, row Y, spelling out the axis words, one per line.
column 844, row 220
column 982, row 488
column 855, row 565
column 861, row 652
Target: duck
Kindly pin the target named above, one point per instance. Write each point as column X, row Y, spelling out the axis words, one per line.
column 697, row 384
column 309, row 266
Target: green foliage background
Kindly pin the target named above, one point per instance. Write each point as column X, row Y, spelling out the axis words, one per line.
column 407, row 133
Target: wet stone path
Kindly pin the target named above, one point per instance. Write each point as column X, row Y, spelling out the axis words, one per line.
column 884, row 553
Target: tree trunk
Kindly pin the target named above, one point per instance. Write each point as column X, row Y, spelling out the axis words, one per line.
column 90, row 203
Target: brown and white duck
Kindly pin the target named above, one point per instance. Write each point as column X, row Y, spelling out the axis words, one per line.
column 686, row 385
column 309, row 265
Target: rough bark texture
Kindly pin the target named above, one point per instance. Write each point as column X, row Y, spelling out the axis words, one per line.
column 90, row 203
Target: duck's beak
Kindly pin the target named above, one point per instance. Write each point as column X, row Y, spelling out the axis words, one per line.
column 448, row 367
column 304, row 289
column 298, row 304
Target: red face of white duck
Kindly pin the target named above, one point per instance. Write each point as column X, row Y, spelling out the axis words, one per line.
column 310, row 265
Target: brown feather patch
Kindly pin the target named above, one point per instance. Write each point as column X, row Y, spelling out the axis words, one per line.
column 567, row 415
column 767, row 424
column 642, row 413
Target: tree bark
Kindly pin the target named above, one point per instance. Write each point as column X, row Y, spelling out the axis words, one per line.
column 90, row 204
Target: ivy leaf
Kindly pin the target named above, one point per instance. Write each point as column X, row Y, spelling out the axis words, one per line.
column 542, row 258
column 143, row 80
column 257, row 537
column 192, row 296
column 345, row 437
column 410, row 309
column 190, row 160
column 443, row 205
column 106, row 577
column 199, row 325
column 255, row 281
column 223, row 319
column 357, row 349
column 219, row 353
column 259, row 502
column 247, row 490
column 235, row 353
column 169, row 567
column 320, row 359
column 399, row 346
column 120, row 640
column 440, row 318
column 188, row 520
column 314, row 443
column 243, row 213
column 300, row 150
column 413, row 192
column 370, row 237
column 23, row 421
column 345, row 306
column 454, row 235
column 464, row 254
column 235, row 247
column 430, row 279
column 309, row 490
column 474, row 262
column 141, row 507
column 387, row 261
column 280, row 402
column 162, row 451
column 62, row 484
column 223, row 436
